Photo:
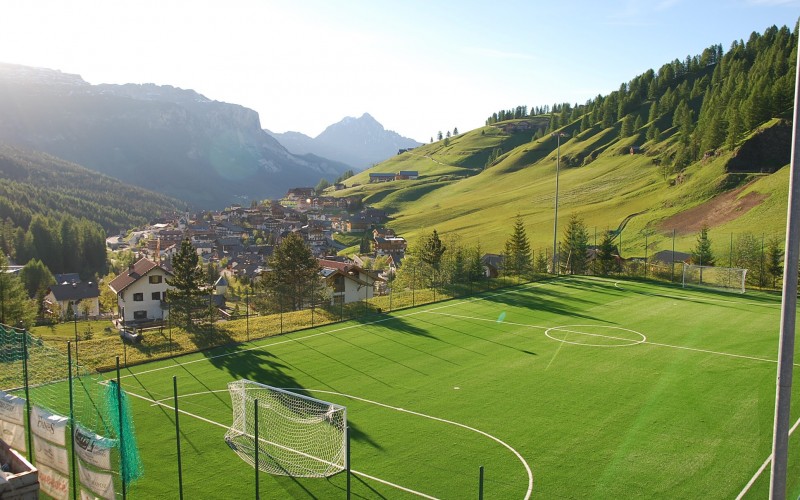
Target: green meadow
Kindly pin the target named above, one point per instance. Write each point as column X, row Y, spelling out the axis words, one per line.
column 565, row 388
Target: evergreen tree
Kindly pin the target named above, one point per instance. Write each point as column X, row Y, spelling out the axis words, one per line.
column 15, row 306
column 455, row 131
column 701, row 253
column 605, row 254
column 627, row 126
column 775, row 259
column 321, row 186
column 188, row 280
column 519, row 259
column 35, row 276
column 294, row 279
column 575, row 245
column 431, row 250
column 541, row 262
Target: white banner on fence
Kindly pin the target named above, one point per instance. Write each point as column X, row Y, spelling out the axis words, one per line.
column 101, row 483
column 13, row 435
column 92, row 448
column 53, row 483
column 49, row 426
column 49, row 454
column 11, row 408
column 88, row 495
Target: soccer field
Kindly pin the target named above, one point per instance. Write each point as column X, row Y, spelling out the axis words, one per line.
column 567, row 388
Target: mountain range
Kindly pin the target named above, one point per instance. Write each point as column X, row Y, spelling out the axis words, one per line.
column 170, row 140
column 359, row 142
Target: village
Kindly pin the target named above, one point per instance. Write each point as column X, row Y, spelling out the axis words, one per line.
column 236, row 244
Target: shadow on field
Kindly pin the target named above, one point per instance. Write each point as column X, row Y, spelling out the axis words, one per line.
column 675, row 291
column 257, row 365
column 546, row 300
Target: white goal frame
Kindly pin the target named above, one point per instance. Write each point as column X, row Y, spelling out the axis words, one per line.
column 730, row 278
column 298, row 435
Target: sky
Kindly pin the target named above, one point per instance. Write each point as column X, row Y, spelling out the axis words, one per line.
column 417, row 66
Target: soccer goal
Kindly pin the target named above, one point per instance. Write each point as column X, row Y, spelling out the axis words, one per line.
column 298, row 435
column 731, row 278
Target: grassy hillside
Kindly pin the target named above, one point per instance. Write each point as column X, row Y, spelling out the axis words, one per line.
column 456, row 194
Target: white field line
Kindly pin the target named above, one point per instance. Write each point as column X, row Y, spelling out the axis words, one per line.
column 704, row 299
column 335, row 330
column 226, row 427
column 719, row 353
column 383, row 405
column 762, row 468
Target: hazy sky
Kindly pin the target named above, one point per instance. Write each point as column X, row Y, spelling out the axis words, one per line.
column 417, row 66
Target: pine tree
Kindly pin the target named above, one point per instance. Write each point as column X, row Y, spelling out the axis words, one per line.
column 294, row 279
column 431, row 250
column 575, row 245
column 15, row 307
column 701, row 253
column 605, row 254
column 519, row 259
column 775, row 259
column 187, row 281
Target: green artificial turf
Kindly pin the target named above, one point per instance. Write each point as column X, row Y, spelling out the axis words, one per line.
column 603, row 388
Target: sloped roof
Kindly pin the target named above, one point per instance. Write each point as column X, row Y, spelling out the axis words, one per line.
column 75, row 291
column 133, row 274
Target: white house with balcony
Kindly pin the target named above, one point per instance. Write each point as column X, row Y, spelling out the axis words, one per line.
column 141, row 291
column 347, row 282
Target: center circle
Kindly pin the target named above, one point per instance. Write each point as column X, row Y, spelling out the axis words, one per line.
column 595, row 335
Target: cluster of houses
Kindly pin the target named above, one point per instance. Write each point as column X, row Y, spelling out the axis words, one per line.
column 240, row 242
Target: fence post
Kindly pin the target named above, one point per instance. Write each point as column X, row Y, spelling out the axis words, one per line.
column 347, row 459
column 672, row 277
column 255, row 444
column 74, row 474
column 27, row 390
column 480, row 483
column 177, row 435
column 121, row 434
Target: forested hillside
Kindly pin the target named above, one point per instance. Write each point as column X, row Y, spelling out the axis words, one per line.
column 659, row 153
column 59, row 212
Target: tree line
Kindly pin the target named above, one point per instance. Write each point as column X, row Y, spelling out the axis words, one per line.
column 707, row 101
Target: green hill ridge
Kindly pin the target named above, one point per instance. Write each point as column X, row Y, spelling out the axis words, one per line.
column 710, row 141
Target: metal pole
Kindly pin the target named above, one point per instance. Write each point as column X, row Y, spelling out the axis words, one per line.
column 75, row 321
column 27, row 390
column 347, row 459
column 177, row 435
column 480, row 483
column 255, row 443
column 783, row 392
column 121, row 434
column 645, row 255
column 555, row 208
column 247, row 312
column 730, row 253
column 672, row 278
column 72, row 424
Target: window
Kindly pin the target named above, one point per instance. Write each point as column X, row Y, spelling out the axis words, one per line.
column 139, row 314
column 154, row 280
column 138, row 297
column 155, row 295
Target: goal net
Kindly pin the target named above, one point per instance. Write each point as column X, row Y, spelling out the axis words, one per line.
column 298, row 435
column 731, row 278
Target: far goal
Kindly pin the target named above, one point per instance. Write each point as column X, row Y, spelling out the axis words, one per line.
column 730, row 278
column 298, row 436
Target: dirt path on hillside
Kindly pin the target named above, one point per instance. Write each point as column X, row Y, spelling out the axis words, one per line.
column 724, row 208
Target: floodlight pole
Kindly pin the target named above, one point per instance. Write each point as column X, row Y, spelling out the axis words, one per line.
column 783, row 391
column 558, row 137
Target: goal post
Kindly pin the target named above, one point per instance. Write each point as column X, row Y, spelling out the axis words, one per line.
column 298, row 435
column 731, row 278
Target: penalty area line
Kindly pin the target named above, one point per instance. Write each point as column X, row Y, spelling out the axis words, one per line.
column 762, row 468
column 153, row 402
